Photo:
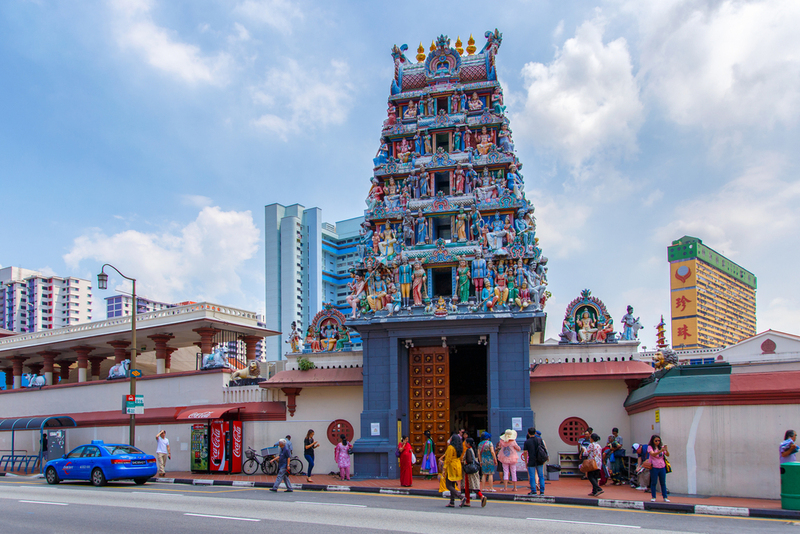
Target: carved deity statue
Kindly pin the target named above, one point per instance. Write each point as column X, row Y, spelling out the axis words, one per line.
column 475, row 103
column 461, row 226
column 586, row 327
column 418, row 285
column 463, row 274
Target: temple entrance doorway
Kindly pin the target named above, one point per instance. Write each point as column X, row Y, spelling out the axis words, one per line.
column 429, row 399
column 469, row 405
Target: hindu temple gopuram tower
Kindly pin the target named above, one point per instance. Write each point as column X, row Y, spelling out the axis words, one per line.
column 452, row 282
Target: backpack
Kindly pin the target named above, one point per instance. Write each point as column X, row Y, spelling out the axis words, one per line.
column 542, row 457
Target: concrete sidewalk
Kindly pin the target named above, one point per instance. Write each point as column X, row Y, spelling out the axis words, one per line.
column 564, row 491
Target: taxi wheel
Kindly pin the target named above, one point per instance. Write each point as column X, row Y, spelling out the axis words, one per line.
column 98, row 478
column 140, row 480
column 51, row 475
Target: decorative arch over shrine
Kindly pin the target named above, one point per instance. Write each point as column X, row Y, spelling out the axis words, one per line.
column 587, row 321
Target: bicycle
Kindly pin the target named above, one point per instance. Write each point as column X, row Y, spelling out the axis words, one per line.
column 295, row 466
column 251, row 465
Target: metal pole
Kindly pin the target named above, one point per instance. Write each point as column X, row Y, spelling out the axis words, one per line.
column 133, row 365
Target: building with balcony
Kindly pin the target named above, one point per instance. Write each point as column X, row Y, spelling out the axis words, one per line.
column 713, row 299
column 31, row 301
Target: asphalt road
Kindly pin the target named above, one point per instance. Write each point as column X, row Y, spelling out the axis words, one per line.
column 33, row 506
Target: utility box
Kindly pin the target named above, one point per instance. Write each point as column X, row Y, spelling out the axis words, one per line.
column 790, row 486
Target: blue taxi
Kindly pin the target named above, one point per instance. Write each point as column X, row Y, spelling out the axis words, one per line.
column 100, row 462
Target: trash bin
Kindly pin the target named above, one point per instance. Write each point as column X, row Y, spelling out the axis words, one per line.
column 553, row 471
column 790, row 486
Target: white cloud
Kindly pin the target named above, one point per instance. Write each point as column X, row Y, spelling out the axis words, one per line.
column 721, row 65
column 199, row 262
column 198, row 201
column 300, row 98
column 757, row 209
column 241, row 33
column 586, row 101
column 162, row 48
column 558, row 223
column 280, row 14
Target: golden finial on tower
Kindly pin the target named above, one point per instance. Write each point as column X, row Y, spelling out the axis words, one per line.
column 433, row 46
column 459, row 45
column 471, row 48
column 420, row 53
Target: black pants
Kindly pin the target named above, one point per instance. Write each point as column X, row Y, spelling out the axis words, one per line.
column 451, row 487
column 593, row 477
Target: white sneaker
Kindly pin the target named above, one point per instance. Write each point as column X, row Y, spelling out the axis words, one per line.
column 666, row 500
column 652, row 500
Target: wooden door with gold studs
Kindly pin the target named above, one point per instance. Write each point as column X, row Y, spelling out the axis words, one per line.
column 429, row 399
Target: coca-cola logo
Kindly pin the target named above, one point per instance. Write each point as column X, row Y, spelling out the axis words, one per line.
column 216, row 438
column 237, row 441
column 199, row 415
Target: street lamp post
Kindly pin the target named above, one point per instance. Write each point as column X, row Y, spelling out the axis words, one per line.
column 102, row 283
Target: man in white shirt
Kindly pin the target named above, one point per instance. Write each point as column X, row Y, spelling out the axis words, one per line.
column 162, row 452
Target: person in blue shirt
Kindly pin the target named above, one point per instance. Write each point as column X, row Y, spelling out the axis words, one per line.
column 283, row 465
column 788, row 447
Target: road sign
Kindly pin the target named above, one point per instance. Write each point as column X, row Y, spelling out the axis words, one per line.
column 135, row 373
column 133, row 406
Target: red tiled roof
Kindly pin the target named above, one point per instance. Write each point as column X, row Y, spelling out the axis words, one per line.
column 349, row 376
column 549, row 372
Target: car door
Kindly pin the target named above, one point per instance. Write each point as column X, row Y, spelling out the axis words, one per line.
column 88, row 460
column 68, row 467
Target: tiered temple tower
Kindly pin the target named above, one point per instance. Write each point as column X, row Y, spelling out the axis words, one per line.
column 452, row 282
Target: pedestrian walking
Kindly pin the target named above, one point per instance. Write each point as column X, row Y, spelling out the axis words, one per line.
column 163, row 452
column 429, row 466
column 472, row 473
column 616, row 456
column 593, row 463
column 658, row 472
column 451, row 468
column 405, row 454
column 283, row 465
column 309, row 444
column 508, row 454
column 488, row 461
column 534, row 452
column 342, row 456
column 788, row 447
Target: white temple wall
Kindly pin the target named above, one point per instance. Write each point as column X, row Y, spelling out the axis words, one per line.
column 598, row 402
column 735, row 448
column 317, row 408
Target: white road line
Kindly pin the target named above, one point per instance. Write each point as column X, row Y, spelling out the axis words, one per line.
column 45, row 502
column 223, row 517
column 332, row 504
column 580, row 522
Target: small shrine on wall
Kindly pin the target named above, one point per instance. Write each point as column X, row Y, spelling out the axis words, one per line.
column 587, row 321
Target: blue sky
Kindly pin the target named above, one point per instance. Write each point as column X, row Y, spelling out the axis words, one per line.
column 150, row 134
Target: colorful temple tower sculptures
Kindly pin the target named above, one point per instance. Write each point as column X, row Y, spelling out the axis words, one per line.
column 452, row 281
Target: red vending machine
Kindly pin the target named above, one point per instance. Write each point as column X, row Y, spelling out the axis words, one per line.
column 225, row 446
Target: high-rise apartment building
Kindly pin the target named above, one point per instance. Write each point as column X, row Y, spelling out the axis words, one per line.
column 713, row 299
column 306, row 266
column 120, row 305
column 31, row 301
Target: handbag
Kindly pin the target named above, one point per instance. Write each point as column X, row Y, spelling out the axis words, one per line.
column 667, row 464
column 588, row 465
column 647, row 464
column 472, row 466
column 413, row 457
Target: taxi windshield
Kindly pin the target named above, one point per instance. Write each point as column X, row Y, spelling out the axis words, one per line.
column 121, row 449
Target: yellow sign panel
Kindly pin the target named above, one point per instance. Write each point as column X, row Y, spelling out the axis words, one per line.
column 684, row 302
column 684, row 331
column 683, row 274
column 658, row 416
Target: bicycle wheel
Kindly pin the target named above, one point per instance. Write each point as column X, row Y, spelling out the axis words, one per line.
column 295, row 466
column 269, row 468
column 250, row 466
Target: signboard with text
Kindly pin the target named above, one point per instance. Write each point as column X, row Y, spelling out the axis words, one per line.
column 133, row 406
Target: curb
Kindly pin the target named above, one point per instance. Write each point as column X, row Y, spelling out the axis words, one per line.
column 699, row 509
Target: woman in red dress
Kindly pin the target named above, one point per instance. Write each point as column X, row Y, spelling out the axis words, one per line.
column 404, row 447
